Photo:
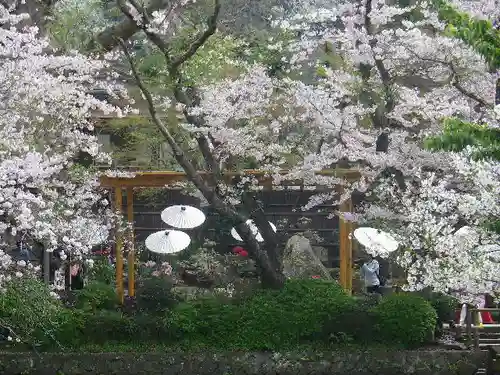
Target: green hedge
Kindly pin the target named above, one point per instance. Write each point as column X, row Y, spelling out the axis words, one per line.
column 291, row 316
column 405, row 319
column 267, row 320
column 304, row 312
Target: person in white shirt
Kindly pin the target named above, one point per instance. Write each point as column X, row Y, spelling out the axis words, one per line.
column 369, row 272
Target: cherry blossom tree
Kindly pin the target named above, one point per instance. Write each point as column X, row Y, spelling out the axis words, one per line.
column 389, row 77
column 46, row 196
column 440, row 209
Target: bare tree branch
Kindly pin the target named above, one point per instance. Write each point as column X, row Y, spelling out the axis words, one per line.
column 383, row 72
column 177, row 150
column 454, row 79
column 173, row 66
column 266, row 260
column 124, row 30
column 200, row 40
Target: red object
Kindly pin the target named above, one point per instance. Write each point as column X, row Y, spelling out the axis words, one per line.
column 240, row 251
column 316, row 277
column 487, row 318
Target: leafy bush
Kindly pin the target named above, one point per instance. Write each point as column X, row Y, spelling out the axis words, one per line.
column 102, row 271
column 155, row 295
column 28, row 309
column 445, row 306
column 71, row 331
column 204, row 322
column 269, row 319
column 404, row 319
column 96, row 296
column 281, row 319
column 356, row 323
column 104, row 326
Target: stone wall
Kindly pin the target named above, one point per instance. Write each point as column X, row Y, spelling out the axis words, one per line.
column 373, row 362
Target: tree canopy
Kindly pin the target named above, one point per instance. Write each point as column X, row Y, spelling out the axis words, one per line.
column 400, row 93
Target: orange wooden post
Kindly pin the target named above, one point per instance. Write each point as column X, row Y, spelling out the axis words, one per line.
column 119, row 247
column 345, row 234
column 131, row 253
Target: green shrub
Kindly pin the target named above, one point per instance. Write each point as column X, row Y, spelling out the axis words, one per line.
column 102, row 271
column 355, row 323
column 206, row 322
column 154, row 295
column 96, row 296
column 29, row 310
column 445, row 307
column 284, row 318
column 71, row 331
column 269, row 319
column 404, row 319
column 101, row 327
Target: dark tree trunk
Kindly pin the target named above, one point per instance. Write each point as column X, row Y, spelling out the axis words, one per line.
column 271, row 276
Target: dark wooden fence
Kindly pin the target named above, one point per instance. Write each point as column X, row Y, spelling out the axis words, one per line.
column 283, row 208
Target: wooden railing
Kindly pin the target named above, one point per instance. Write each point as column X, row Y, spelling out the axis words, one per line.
column 473, row 329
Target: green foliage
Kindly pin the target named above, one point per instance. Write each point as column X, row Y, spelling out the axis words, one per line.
column 73, row 24
column 96, row 296
column 303, row 313
column 102, row 271
column 155, row 295
column 215, row 60
column 405, row 319
column 458, row 134
column 266, row 320
column 355, row 323
column 27, row 308
column 104, row 326
column 279, row 319
column 203, row 323
column 268, row 49
column 445, row 307
column 480, row 34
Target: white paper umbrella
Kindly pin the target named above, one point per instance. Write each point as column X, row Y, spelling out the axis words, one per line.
column 375, row 241
column 167, row 241
column 183, row 217
column 254, row 229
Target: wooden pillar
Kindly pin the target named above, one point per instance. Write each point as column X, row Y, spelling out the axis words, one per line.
column 131, row 253
column 345, row 234
column 119, row 247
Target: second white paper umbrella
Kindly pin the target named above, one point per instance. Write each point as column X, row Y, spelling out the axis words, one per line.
column 183, row 217
column 167, row 241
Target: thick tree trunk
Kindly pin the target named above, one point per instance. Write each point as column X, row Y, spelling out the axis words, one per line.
column 266, row 258
column 126, row 29
column 273, row 276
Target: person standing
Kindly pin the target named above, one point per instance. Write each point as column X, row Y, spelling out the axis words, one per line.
column 369, row 272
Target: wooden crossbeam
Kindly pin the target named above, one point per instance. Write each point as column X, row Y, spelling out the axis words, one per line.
column 163, row 178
